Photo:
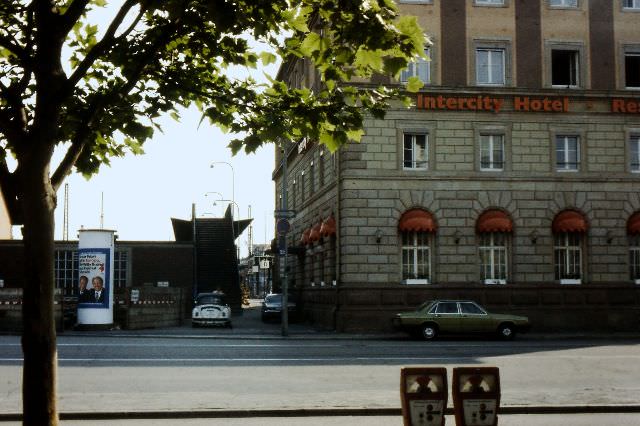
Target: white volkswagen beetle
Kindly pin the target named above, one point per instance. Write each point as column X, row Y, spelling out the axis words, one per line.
column 211, row 309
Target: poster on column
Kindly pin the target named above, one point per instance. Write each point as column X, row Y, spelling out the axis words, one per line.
column 93, row 278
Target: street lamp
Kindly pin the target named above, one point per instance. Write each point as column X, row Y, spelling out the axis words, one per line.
column 233, row 228
column 214, row 192
column 219, row 194
column 233, row 179
column 232, row 202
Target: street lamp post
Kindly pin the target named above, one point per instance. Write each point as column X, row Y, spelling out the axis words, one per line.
column 233, row 179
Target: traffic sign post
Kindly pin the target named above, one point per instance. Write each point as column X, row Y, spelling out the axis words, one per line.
column 284, row 214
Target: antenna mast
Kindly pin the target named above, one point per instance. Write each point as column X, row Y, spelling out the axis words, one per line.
column 102, row 210
column 65, row 225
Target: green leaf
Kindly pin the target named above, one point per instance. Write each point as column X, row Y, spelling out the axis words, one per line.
column 311, row 44
column 369, row 59
column 414, row 84
column 355, row 135
column 267, row 58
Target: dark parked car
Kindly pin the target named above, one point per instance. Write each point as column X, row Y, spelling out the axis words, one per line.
column 211, row 309
column 458, row 316
column 272, row 307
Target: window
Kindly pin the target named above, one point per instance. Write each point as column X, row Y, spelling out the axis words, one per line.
column 471, row 308
column 490, row 2
column 120, row 267
column 312, row 179
column 420, row 68
column 321, row 169
column 631, row 4
column 294, row 194
column 302, row 187
column 632, row 70
column 415, row 151
column 565, row 65
column 567, row 153
column 634, row 153
column 493, row 258
column 568, row 257
column 66, row 271
column 492, row 152
column 634, row 258
column 563, row 3
column 416, row 259
column 447, row 308
column 490, row 66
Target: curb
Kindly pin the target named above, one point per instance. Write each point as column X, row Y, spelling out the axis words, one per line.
column 321, row 412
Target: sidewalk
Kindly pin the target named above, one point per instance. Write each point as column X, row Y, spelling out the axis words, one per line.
column 249, row 326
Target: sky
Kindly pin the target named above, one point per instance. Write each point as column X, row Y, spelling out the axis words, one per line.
column 142, row 193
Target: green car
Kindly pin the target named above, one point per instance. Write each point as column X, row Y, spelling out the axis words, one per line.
column 458, row 316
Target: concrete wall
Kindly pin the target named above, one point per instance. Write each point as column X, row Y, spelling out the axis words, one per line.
column 154, row 308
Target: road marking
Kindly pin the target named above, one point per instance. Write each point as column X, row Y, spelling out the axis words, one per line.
column 336, row 359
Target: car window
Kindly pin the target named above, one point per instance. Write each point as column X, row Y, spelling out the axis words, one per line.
column 210, row 300
column 447, row 308
column 471, row 308
column 273, row 298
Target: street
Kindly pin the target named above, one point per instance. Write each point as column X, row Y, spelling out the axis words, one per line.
column 132, row 373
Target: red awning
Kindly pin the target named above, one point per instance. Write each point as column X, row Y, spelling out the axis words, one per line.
column 304, row 239
column 314, row 235
column 328, row 227
column 417, row 220
column 570, row 221
column 494, row 221
column 633, row 224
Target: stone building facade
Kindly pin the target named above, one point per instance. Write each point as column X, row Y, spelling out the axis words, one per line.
column 514, row 180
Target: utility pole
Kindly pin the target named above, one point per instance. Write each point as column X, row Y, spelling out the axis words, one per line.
column 250, row 233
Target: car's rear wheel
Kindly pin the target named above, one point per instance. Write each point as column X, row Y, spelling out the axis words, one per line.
column 506, row 331
column 429, row 331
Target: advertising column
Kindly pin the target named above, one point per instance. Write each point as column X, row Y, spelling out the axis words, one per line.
column 95, row 277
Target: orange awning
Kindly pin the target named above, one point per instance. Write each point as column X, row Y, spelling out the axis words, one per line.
column 633, row 224
column 328, row 227
column 314, row 235
column 570, row 221
column 417, row 220
column 494, row 221
column 304, row 239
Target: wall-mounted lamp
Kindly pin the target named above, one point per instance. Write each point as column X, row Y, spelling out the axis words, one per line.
column 533, row 236
column 456, row 237
column 609, row 236
column 378, row 236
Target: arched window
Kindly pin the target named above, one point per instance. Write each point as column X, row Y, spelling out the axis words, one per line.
column 416, row 228
column 633, row 232
column 494, row 229
column 569, row 227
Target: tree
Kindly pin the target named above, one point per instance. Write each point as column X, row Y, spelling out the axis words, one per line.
column 95, row 93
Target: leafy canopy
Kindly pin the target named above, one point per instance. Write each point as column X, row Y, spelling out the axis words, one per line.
column 64, row 80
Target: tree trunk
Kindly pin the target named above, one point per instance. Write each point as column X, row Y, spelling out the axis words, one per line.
column 39, row 335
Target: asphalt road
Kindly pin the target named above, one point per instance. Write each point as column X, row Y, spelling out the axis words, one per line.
column 114, row 374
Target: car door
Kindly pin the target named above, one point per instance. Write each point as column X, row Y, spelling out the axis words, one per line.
column 473, row 319
column 448, row 317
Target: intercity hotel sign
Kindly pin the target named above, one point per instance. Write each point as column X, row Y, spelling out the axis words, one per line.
column 553, row 104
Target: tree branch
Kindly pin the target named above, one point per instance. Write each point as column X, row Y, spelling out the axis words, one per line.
column 72, row 14
column 20, row 52
column 82, row 138
column 101, row 47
